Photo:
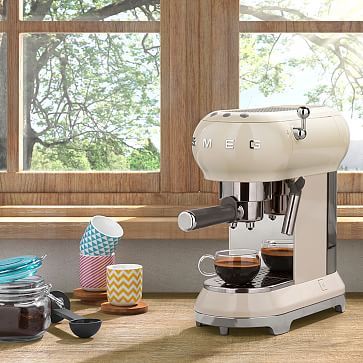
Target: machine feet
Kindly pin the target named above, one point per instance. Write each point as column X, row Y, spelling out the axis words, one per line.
column 340, row 308
column 277, row 324
column 223, row 330
column 198, row 324
column 279, row 329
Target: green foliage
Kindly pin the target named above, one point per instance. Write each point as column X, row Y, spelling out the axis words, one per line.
column 98, row 95
column 92, row 100
column 90, row 10
column 268, row 65
column 147, row 158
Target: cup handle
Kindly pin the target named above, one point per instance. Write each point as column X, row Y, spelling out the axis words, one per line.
column 208, row 274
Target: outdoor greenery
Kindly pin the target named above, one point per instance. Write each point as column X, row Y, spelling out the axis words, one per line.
column 91, row 101
column 324, row 69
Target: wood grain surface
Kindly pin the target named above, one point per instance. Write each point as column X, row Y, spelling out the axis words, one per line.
column 166, row 228
column 167, row 333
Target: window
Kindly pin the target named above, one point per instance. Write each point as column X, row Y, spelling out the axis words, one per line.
column 307, row 68
column 297, row 10
column 83, row 109
column 89, row 10
column 91, row 101
column 102, row 98
column 310, row 53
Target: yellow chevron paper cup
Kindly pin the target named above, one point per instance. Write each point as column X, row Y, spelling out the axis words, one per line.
column 124, row 284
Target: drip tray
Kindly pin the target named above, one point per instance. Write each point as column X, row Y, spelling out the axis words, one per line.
column 263, row 282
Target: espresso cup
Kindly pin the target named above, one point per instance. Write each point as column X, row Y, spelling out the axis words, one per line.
column 278, row 255
column 234, row 267
column 124, row 284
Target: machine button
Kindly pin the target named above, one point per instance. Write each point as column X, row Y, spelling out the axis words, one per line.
column 226, row 114
column 322, row 285
column 243, row 115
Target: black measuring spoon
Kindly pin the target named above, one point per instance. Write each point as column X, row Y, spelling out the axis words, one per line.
column 80, row 326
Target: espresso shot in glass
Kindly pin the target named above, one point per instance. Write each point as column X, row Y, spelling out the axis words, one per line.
column 234, row 267
column 278, row 255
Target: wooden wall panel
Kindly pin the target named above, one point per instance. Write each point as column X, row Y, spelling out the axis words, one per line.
column 116, row 199
column 350, row 182
column 315, row 26
column 200, row 73
column 350, row 199
column 220, row 61
column 32, row 182
column 179, row 94
column 89, row 26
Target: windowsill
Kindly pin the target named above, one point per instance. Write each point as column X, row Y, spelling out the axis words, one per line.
column 138, row 222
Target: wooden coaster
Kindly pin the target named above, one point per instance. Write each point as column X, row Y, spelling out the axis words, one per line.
column 140, row 308
column 92, row 303
column 89, row 296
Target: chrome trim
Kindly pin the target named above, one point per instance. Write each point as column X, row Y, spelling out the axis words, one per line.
column 278, row 324
column 277, row 205
column 300, row 132
column 291, row 214
column 252, row 211
column 246, row 192
column 331, row 252
column 186, row 221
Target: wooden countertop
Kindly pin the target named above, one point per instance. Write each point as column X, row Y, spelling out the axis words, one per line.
column 167, row 333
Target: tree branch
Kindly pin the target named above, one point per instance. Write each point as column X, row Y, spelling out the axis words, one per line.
column 114, row 9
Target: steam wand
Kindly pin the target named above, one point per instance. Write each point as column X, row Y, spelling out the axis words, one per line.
column 292, row 206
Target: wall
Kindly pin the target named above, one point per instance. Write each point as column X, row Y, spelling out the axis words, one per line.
column 168, row 265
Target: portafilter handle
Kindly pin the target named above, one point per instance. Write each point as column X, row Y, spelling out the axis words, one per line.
column 192, row 219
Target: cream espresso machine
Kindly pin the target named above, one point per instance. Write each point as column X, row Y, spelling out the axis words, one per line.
column 274, row 161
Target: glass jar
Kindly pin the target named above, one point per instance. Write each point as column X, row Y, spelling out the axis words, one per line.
column 25, row 309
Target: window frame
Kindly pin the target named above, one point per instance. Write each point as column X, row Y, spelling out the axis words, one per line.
column 350, row 183
column 17, row 183
column 199, row 48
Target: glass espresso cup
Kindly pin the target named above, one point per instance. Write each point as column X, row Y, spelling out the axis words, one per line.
column 278, row 255
column 234, row 267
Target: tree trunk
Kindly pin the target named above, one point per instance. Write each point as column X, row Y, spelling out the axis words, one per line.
column 30, row 61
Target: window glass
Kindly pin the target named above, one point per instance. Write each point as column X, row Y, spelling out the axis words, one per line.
column 307, row 68
column 3, row 9
column 301, row 10
column 91, row 101
column 91, row 10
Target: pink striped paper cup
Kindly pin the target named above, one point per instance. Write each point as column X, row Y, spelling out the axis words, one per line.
column 93, row 271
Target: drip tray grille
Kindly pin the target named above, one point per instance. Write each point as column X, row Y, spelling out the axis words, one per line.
column 263, row 282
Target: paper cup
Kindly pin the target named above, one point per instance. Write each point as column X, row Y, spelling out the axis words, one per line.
column 101, row 237
column 124, row 284
column 92, row 272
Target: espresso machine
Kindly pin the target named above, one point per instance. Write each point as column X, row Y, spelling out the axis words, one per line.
column 269, row 162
